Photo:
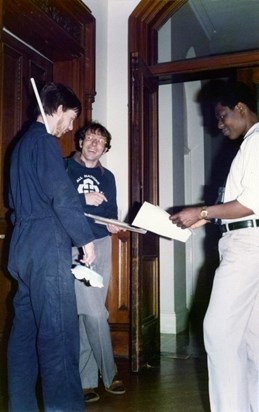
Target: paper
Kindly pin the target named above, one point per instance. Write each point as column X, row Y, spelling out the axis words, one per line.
column 123, row 225
column 155, row 219
column 83, row 272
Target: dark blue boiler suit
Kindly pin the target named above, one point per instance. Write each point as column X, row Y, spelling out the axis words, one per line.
column 48, row 219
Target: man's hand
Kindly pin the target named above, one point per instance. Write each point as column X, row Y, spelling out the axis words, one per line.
column 95, row 198
column 89, row 254
column 200, row 223
column 113, row 228
column 188, row 217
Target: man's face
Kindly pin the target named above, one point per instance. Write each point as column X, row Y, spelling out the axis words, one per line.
column 93, row 146
column 231, row 122
column 65, row 122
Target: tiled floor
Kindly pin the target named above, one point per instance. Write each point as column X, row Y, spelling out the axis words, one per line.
column 175, row 382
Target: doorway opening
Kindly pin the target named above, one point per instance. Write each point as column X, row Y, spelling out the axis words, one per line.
column 178, row 80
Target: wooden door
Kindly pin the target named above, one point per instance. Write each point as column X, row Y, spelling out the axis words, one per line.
column 52, row 40
column 19, row 64
column 250, row 76
column 145, row 330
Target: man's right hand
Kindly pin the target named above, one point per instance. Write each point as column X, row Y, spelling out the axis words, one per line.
column 95, row 198
column 89, row 254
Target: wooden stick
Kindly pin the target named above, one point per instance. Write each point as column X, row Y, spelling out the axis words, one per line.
column 40, row 104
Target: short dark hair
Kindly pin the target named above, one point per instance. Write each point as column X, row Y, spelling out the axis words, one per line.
column 233, row 92
column 55, row 94
column 94, row 127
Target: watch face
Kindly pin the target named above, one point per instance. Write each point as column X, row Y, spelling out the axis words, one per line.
column 204, row 214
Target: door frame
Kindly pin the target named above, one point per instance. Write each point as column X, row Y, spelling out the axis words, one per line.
column 145, row 327
column 144, row 23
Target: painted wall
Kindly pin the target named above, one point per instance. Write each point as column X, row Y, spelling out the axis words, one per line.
column 111, row 102
column 166, row 265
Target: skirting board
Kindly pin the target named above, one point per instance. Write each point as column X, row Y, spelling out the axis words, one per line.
column 173, row 323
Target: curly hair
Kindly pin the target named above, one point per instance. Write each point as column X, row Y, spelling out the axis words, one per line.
column 94, row 127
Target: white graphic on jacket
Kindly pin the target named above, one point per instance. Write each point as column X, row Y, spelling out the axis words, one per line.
column 87, row 184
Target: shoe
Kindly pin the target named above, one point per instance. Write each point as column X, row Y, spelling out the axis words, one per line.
column 90, row 395
column 116, row 388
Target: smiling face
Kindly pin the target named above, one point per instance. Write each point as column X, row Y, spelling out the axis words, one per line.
column 92, row 148
column 232, row 122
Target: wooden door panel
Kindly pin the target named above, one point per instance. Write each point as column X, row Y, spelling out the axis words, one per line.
column 7, row 287
column 19, row 64
column 11, row 113
column 69, row 73
column 118, row 297
column 149, row 272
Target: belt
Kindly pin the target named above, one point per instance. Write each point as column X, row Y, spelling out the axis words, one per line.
column 242, row 224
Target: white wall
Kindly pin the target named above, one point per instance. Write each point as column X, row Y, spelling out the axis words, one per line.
column 111, row 102
column 166, row 262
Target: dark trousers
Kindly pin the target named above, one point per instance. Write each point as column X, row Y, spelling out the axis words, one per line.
column 45, row 339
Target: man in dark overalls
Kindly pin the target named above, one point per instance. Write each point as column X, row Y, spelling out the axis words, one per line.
column 48, row 219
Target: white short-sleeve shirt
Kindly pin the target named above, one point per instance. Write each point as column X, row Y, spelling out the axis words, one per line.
column 243, row 178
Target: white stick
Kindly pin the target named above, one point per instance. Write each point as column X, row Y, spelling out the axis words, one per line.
column 40, row 104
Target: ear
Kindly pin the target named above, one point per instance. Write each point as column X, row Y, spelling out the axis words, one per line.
column 241, row 107
column 60, row 110
column 81, row 143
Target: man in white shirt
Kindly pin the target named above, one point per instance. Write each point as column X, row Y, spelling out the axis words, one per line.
column 231, row 325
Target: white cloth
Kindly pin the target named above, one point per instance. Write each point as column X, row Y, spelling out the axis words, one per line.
column 83, row 272
column 243, row 179
column 231, row 324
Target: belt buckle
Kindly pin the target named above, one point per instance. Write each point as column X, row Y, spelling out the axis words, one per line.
column 224, row 228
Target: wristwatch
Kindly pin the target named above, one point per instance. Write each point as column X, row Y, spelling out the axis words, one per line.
column 204, row 213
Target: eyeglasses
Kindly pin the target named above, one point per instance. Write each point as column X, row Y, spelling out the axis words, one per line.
column 96, row 139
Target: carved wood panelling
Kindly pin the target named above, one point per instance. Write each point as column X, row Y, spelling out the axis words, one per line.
column 118, row 299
